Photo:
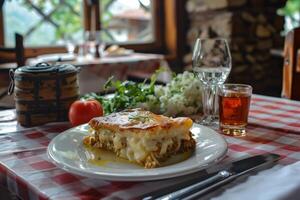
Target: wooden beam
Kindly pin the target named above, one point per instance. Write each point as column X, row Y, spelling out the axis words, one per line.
column 91, row 15
column 1, row 27
column 170, row 31
column 86, row 15
column 291, row 77
column 174, row 32
column 96, row 10
column 158, row 24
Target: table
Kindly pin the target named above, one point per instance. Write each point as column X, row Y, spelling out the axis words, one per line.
column 274, row 126
column 94, row 72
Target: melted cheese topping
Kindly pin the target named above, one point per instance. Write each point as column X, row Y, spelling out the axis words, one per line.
column 137, row 120
column 136, row 148
column 135, row 134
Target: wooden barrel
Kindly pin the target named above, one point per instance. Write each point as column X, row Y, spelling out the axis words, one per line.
column 44, row 93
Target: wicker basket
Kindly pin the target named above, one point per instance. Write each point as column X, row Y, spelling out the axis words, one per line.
column 44, row 93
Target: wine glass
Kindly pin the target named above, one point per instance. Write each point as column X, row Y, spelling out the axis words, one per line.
column 95, row 43
column 212, row 64
column 70, row 44
column 90, row 42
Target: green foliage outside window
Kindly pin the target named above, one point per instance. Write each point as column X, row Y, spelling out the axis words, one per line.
column 65, row 15
column 291, row 11
column 50, row 22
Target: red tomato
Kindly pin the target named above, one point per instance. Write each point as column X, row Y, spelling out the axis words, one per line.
column 82, row 111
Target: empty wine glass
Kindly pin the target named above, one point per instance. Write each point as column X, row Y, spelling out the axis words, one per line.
column 95, row 43
column 90, row 41
column 70, row 45
column 212, row 64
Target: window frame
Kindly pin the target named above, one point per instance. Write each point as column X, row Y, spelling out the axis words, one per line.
column 1, row 28
column 155, row 46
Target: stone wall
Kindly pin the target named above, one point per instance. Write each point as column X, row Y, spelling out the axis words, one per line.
column 252, row 28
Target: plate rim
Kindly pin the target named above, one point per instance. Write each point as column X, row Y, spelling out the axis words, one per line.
column 117, row 176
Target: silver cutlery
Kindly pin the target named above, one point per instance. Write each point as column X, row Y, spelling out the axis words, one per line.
column 225, row 175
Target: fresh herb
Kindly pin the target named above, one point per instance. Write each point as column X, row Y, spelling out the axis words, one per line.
column 181, row 96
column 127, row 94
column 140, row 118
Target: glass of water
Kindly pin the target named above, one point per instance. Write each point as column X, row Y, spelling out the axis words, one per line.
column 212, row 64
column 95, row 43
column 70, row 44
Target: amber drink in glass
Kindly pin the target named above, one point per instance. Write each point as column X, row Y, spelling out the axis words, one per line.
column 234, row 103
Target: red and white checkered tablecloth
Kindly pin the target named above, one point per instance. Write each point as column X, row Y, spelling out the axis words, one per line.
column 25, row 169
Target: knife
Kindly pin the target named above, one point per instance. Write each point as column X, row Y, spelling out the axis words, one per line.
column 226, row 174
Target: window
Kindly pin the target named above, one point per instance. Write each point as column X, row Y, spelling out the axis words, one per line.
column 46, row 25
column 42, row 23
column 127, row 21
column 49, row 23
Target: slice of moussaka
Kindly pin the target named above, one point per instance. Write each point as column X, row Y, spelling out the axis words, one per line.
column 141, row 136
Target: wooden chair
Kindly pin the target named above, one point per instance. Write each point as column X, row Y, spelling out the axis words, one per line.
column 10, row 58
column 291, row 65
column 14, row 54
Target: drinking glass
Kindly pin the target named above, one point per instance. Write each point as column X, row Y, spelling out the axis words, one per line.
column 95, row 43
column 90, row 42
column 70, row 44
column 234, row 103
column 212, row 64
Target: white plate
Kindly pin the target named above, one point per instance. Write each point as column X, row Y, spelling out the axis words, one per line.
column 67, row 151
